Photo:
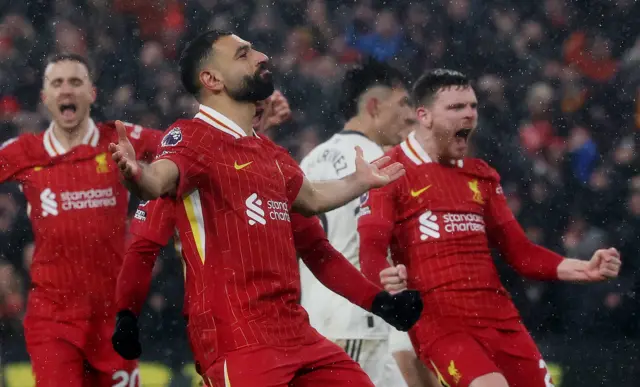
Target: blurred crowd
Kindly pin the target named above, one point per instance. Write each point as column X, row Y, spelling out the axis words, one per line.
column 558, row 83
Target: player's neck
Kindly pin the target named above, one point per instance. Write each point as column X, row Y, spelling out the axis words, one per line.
column 241, row 113
column 430, row 148
column 72, row 137
column 357, row 124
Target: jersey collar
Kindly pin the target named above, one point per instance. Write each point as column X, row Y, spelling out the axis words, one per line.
column 220, row 121
column 414, row 151
column 55, row 148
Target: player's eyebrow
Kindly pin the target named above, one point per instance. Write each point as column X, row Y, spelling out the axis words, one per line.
column 242, row 49
column 463, row 104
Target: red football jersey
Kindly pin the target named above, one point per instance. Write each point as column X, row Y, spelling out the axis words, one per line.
column 438, row 221
column 78, row 210
column 232, row 215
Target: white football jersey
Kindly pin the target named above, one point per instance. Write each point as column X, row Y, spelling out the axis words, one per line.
column 332, row 315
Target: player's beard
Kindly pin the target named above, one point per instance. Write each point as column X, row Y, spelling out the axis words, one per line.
column 254, row 88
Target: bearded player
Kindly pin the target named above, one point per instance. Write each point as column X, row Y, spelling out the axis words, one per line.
column 439, row 220
column 234, row 191
column 78, row 209
column 376, row 107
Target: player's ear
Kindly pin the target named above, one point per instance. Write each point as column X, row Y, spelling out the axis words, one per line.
column 211, row 80
column 94, row 94
column 424, row 116
column 373, row 106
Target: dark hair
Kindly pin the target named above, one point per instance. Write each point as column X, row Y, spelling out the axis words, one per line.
column 196, row 51
column 60, row 57
column 426, row 87
column 363, row 77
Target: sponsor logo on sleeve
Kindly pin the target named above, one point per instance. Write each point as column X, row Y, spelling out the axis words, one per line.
column 173, row 138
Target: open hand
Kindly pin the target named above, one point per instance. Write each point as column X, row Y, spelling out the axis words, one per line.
column 377, row 174
column 123, row 153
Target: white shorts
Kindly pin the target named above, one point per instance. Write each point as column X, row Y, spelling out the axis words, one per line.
column 399, row 341
column 376, row 360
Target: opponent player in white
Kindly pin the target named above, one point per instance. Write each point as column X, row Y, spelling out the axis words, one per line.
column 376, row 106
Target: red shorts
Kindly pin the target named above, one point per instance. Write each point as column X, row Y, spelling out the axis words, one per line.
column 76, row 353
column 460, row 357
column 316, row 365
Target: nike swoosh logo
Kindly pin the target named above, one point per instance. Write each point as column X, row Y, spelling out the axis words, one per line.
column 240, row 166
column 419, row 192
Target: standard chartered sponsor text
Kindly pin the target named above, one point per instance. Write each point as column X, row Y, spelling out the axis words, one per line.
column 463, row 223
column 92, row 198
column 278, row 210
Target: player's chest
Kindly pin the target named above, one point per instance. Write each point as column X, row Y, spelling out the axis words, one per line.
column 243, row 171
column 89, row 182
column 444, row 190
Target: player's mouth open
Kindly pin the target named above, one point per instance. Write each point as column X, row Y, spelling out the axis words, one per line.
column 68, row 110
column 462, row 135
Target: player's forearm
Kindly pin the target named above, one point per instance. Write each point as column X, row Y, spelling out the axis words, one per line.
column 374, row 242
column 327, row 264
column 336, row 273
column 324, row 196
column 571, row 270
column 528, row 259
column 135, row 275
column 154, row 180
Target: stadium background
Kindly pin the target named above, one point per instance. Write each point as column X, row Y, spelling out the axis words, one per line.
column 559, row 89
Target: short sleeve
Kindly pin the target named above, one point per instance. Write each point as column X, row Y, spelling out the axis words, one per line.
column 498, row 211
column 180, row 146
column 155, row 220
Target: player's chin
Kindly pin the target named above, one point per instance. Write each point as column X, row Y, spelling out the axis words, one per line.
column 67, row 122
column 457, row 152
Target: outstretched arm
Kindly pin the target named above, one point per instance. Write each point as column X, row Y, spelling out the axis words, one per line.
column 145, row 181
column 536, row 262
column 332, row 269
column 323, row 196
column 329, row 266
column 375, row 227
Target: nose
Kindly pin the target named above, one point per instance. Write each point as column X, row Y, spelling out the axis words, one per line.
column 65, row 88
column 471, row 113
column 262, row 58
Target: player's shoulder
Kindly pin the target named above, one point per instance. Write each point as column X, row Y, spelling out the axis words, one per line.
column 397, row 153
column 480, row 168
column 268, row 143
column 184, row 132
column 277, row 150
column 316, row 153
column 348, row 140
column 107, row 129
column 28, row 141
column 333, row 158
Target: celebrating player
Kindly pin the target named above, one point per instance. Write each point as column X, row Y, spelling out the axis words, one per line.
column 438, row 221
column 78, row 209
column 376, row 106
column 234, row 191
